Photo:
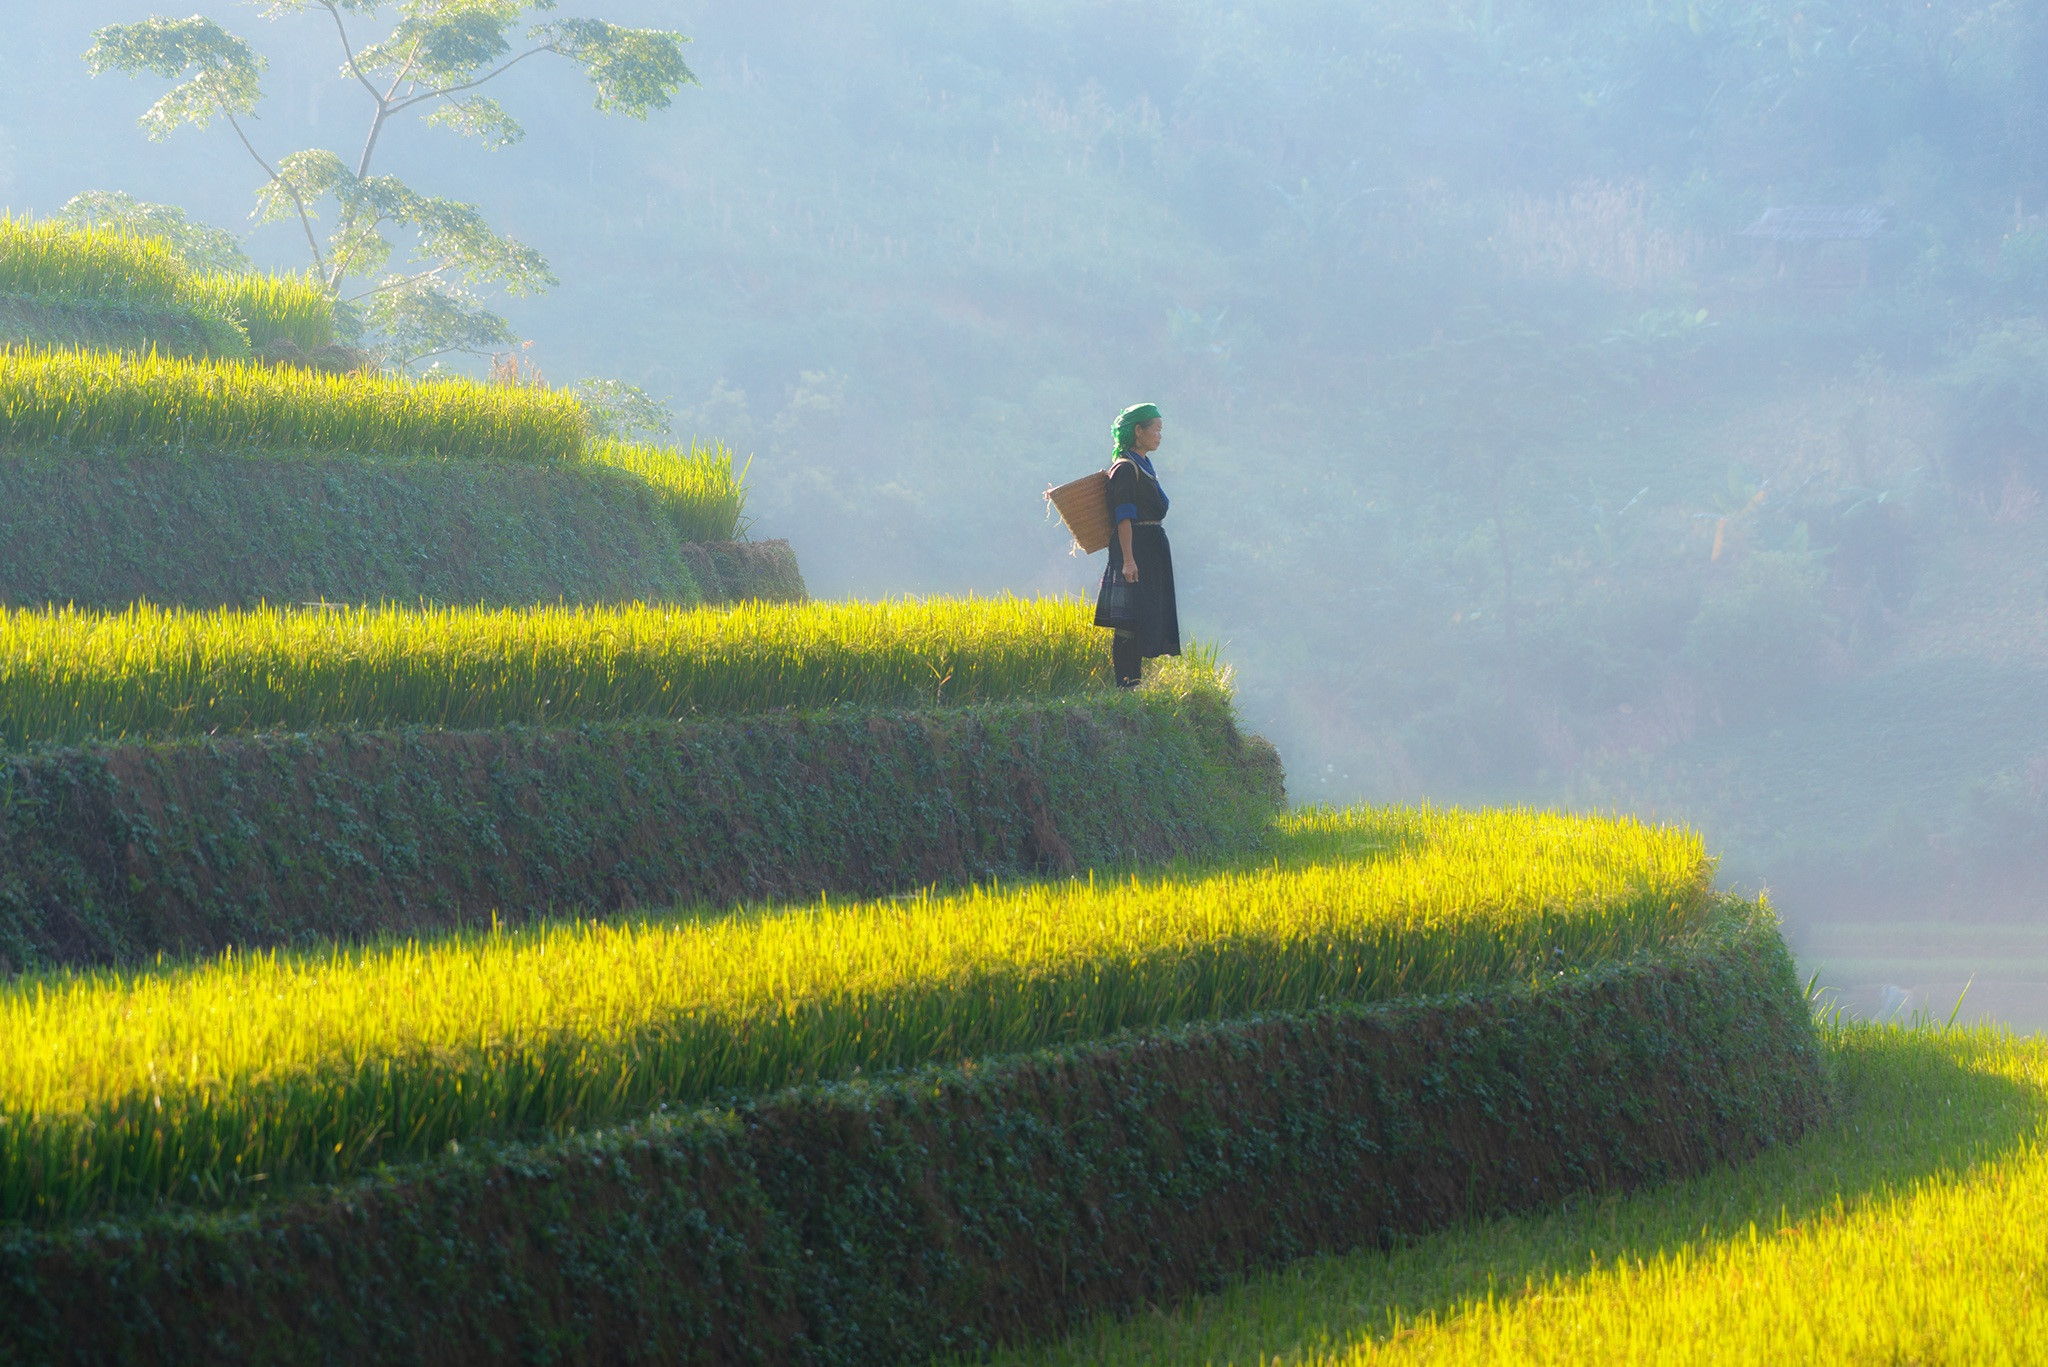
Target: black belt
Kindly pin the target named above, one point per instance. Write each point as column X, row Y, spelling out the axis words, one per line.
column 1153, row 523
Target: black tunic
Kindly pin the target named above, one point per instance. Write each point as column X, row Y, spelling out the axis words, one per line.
column 1157, row 626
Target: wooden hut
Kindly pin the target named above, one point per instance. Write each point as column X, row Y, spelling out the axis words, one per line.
column 1822, row 245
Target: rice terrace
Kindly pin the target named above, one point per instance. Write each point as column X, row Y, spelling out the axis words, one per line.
column 475, row 888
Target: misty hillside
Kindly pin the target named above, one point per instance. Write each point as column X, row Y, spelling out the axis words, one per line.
column 1533, row 434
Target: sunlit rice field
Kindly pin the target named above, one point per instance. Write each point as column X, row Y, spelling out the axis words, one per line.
column 1909, row 1231
column 68, row 398
column 68, row 676
column 242, row 1076
column 56, row 262
column 700, row 487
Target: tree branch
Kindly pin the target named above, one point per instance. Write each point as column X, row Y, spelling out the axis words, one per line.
column 412, row 100
column 348, row 50
column 397, row 282
column 305, row 216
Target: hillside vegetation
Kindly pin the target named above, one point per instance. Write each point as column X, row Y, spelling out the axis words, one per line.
column 268, row 462
column 1901, row 1232
column 192, row 1085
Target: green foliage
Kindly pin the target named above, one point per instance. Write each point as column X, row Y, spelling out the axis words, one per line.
column 301, row 840
column 431, row 62
column 943, row 1212
column 55, row 261
column 205, row 248
column 324, row 1067
column 67, row 676
column 1763, row 640
column 223, row 78
column 80, row 400
column 104, row 530
column 617, row 411
column 1998, row 406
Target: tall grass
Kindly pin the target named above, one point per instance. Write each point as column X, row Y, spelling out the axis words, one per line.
column 271, row 308
column 700, row 487
column 56, row 262
column 254, row 1072
column 71, row 398
column 53, row 260
column 67, row 676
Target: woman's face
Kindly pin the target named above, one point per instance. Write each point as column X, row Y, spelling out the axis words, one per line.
column 1145, row 439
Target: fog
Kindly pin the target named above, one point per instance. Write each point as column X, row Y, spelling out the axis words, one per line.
column 1516, row 453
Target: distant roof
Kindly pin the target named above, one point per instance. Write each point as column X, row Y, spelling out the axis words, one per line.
column 1820, row 222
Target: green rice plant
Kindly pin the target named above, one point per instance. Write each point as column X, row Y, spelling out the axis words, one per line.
column 82, row 399
column 1908, row 1231
column 707, row 497
column 68, row 676
column 246, row 1075
column 53, row 260
column 294, row 309
column 59, row 263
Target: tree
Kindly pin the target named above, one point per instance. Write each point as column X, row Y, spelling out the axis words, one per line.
column 431, row 64
column 204, row 247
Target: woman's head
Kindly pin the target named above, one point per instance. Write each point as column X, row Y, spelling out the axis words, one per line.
column 1137, row 428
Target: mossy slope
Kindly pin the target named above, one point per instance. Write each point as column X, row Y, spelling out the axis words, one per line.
column 200, row 531
column 113, row 854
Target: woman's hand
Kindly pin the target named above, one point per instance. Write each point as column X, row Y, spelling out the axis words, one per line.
column 1130, row 571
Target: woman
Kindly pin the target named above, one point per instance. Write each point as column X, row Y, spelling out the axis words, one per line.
column 1144, row 618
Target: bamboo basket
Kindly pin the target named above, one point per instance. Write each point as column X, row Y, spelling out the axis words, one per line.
column 1084, row 507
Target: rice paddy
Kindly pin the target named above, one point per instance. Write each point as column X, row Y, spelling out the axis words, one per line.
column 56, row 262
column 1909, row 1231
column 699, row 487
column 69, row 676
column 96, row 400
column 212, row 1083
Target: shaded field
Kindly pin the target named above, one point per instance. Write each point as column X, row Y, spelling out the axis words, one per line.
column 105, row 532
column 1908, row 1230
column 245, row 1075
column 68, row 676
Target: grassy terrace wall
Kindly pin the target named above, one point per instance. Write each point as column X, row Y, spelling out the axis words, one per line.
column 112, row 854
column 104, row 531
column 933, row 1212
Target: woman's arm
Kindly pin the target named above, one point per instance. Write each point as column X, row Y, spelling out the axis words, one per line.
column 1123, row 536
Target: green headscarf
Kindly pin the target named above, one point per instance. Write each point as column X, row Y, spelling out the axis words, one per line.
column 1127, row 424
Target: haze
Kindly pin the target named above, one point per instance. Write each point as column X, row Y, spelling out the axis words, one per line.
column 1519, row 450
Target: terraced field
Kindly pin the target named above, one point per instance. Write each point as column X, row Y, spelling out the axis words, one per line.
column 243, row 1076
column 1906, row 1231
column 68, row 676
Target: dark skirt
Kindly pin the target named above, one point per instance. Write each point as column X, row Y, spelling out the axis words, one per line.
column 1155, row 623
